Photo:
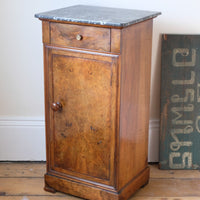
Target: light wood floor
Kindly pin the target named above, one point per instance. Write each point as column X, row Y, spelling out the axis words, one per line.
column 24, row 181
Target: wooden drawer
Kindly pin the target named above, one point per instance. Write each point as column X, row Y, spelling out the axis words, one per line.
column 80, row 36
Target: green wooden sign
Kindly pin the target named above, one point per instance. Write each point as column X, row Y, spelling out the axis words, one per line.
column 180, row 102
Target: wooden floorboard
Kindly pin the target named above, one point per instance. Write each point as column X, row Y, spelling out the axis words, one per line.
column 24, row 181
column 74, row 198
column 171, row 188
column 166, row 198
column 22, row 169
column 155, row 188
column 157, row 173
column 38, row 198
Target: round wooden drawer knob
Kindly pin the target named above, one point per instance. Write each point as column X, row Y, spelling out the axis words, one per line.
column 79, row 37
column 56, row 106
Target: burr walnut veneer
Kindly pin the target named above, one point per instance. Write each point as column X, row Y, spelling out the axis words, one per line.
column 97, row 83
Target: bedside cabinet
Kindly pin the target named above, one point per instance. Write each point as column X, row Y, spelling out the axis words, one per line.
column 97, row 86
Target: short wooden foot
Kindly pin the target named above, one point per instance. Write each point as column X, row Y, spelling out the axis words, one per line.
column 49, row 189
column 145, row 184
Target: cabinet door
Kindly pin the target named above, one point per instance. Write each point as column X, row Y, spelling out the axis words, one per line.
column 81, row 105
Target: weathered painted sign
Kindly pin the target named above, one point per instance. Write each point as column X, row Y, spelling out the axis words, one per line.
column 180, row 102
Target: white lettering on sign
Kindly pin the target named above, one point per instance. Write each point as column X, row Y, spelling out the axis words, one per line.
column 185, row 81
column 183, row 104
column 184, row 52
column 189, row 96
column 179, row 111
column 175, row 146
column 186, row 158
column 198, row 96
column 197, row 124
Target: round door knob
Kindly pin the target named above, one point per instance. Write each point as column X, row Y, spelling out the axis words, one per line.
column 79, row 37
column 56, row 106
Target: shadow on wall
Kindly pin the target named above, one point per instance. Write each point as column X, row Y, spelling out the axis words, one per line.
column 155, row 81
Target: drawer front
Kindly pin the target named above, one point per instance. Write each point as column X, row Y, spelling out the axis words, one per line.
column 80, row 36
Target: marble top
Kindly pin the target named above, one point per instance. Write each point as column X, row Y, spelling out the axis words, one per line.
column 114, row 17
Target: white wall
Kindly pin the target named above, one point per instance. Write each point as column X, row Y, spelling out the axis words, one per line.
column 21, row 66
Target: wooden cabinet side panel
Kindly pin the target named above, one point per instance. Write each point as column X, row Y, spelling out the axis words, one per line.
column 134, row 101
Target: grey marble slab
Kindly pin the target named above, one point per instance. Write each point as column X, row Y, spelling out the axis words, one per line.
column 115, row 17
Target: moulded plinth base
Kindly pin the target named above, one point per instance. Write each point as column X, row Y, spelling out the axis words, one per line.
column 56, row 183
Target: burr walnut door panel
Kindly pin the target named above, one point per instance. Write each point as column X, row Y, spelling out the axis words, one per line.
column 82, row 112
